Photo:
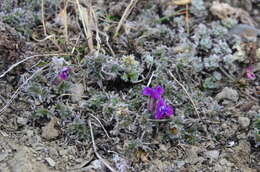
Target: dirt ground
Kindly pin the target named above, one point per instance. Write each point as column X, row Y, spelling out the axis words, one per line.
column 95, row 117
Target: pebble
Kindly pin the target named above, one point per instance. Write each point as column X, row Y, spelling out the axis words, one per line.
column 229, row 94
column 22, row 121
column 244, row 122
column 49, row 132
column 213, row 154
column 3, row 155
column 50, row 161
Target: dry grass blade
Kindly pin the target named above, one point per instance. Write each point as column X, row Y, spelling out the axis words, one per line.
column 85, row 18
column 95, row 148
column 125, row 15
column 64, row 12
column 43, row 18
column 186, row 92
column 101, row 125
column 187, row 19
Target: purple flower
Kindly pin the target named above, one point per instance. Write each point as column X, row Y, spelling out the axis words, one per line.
column 64, row 73
column 154, row 93
column 163, row 110
column 249, row 72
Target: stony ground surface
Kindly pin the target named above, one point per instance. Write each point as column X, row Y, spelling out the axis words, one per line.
column 48, row 129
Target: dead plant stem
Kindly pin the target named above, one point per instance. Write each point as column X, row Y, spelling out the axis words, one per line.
column 28, row 58
column 93, row 116
column 43, row 18
column 126, row 13
column 95, row 148
column 186, row 92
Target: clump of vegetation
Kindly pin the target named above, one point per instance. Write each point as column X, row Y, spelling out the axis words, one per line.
column 105, row 80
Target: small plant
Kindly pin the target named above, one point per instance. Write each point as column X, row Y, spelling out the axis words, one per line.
column 131, row 69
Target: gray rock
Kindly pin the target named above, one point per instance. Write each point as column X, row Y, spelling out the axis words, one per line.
column 3, row 155
column 229, row 94
column 244, row 122
column 49, row 132
column 22, row 121
column 214, row 154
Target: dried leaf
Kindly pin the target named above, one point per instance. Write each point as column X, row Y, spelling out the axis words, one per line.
column 141, row 155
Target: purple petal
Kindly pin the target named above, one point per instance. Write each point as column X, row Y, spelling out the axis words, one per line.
column 168, row 111
column 159, row 110
column 157, row 92
column 249, row 69
column 160, row 103
column 158, row 114
column 147, row 91
column 159, row 89
column 64, row 73
column 249, row 72
column 163, row 110
column 250, row 76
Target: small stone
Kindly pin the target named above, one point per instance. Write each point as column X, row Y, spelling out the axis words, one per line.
column 244, row 122
column 50, row 161
column 229, row 94
column 163, row 148
column 77, row 91
column 49, row 132
column 231, row 144
column 214, row 154
column 3, row 155
column 29, row 133
column 224, row 126
column 22, row 121
column 180, row 163
column 63, row 152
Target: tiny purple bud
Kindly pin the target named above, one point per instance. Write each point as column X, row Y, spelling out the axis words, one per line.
column 249, row 72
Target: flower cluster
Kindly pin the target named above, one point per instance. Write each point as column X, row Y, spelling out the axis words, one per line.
column 156, row 104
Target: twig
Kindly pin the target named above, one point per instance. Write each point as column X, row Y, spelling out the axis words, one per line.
column 125, row 15
column 17, row 91
column 28, row 58
column 150, row 80
column 95, row 148
column 100, row 125
column 185, row 90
